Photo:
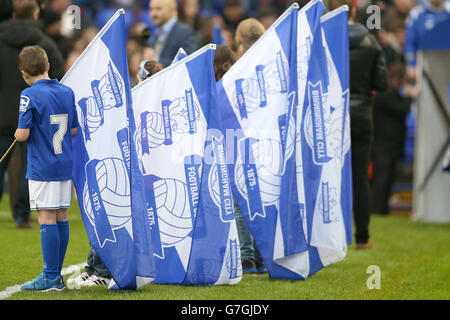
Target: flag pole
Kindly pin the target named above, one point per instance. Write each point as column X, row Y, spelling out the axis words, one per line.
column 7, row 151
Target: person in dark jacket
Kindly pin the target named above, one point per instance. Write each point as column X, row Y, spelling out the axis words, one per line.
column 5, row 9
column 367, row 73
column 171, row 34
column 20, row 31
column 390, row 110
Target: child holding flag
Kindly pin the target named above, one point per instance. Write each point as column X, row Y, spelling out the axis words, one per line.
column 47, row 109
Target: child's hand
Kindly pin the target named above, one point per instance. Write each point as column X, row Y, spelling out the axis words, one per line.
column 22, row 135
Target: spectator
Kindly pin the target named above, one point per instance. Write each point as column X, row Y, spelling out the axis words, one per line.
column 137, row 50
column 246, row 27
column 396, row 13
column 188, row 12
column 52, row 27
column 15, row 34
column 392, row 32
column 367, row 73
column 280, row 5
column 251, row 6
column 249, row 39
column 392, row 42
column 147, row 69
column 267, row 17
column 390, row 111
column 6, row 9
column 233, row 13
column 58, row 6
column 421, row 20
column 205, row 34
column 224, row 58
column 79, row 43
column 134, row 57
column 14, row 169
column 171, row 34
column 228, row 36
column 62, row 24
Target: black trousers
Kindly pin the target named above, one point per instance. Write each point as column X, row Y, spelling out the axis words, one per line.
column 21, row 209
column 384, row 165
column 361, row 138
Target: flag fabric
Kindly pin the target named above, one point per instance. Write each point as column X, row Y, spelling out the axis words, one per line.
column 308, row 26
column 181, row 54
column 217, row 35
column 319, row 141
column 104, row 163
column 335, row 29
column 258, row 100
column 181, row 151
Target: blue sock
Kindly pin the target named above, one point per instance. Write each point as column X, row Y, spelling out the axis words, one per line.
column 63, row 227
column 50, row 249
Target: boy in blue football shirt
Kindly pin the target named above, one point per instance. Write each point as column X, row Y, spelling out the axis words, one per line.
column 47, row 120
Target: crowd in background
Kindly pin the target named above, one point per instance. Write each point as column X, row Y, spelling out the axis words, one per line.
column 201, row 16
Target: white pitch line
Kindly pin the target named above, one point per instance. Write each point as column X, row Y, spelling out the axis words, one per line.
column 16, row 288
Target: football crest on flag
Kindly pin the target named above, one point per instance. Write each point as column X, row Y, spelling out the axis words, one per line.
column 105, row 161
column 181, row 151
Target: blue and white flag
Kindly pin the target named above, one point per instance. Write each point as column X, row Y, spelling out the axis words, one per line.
column 319, row 140
column 104, row 161
column 181, row 54
column 335, row 30
column 258, row 101
column 308, row 26
column 181, row 150
column 328, row 229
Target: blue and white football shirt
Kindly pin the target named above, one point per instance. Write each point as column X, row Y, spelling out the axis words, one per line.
column 48, row 109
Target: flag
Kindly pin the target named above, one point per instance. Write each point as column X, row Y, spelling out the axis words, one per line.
column 104, row 161
column 181, row 54
column 335, row 28
column 319, row 142
column 308, row 25
column 258, row 101
column 180, row 145
column 217, row 35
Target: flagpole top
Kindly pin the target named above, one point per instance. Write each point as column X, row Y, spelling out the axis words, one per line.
column 333, row 13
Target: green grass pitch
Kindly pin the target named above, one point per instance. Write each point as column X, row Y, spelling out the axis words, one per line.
column 413, row 257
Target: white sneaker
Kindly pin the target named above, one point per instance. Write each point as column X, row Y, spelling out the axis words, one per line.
column 77, row 281
column 95, row 281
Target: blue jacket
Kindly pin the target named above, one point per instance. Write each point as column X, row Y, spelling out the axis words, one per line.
column 426, row 29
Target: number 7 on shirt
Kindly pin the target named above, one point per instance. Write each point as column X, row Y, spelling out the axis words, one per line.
column 61, row 120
